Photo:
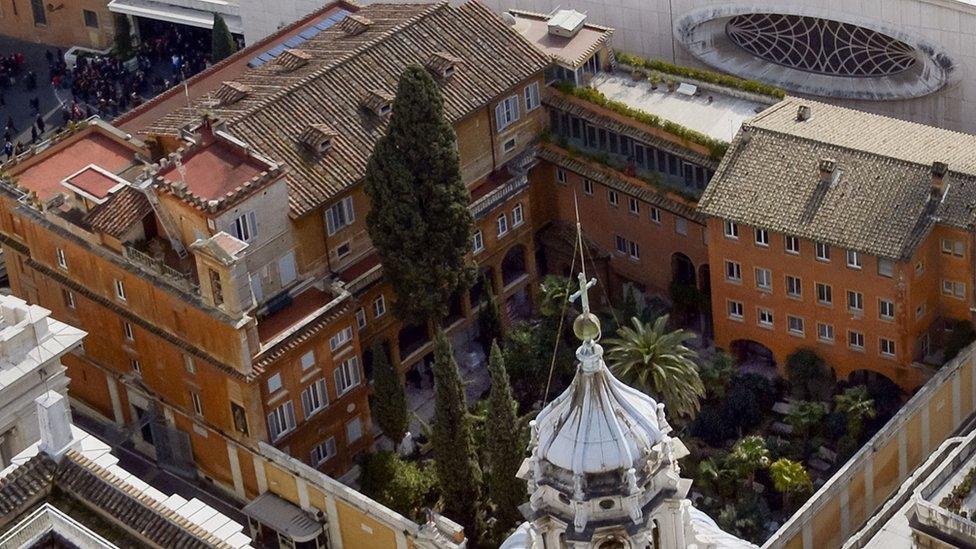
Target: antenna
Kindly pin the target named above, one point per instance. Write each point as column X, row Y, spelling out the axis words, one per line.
column 579, row 233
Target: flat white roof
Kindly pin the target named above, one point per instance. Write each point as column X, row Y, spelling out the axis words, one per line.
column 163, row 11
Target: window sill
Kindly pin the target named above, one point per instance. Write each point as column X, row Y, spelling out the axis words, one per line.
column 737, row 318
column 800, row 335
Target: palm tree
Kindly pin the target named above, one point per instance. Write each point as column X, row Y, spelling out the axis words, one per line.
column 748, row 455
column 857, row 405
column 789, row 478
column 553, row 294
column 804, row 416
column 716, row 374
column 656, row 361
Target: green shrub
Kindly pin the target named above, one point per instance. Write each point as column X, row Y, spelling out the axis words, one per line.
column 809, row 376
column 401, row 485
column 962, row 334
column 710, row 77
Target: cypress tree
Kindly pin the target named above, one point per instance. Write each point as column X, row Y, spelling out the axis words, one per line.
column 506, row 445
column 455, row 460
column 223, row 43
column 489, row 318
column 419, row 220
column 390, row 404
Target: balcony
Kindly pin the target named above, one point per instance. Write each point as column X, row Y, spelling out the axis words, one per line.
column 158, row 258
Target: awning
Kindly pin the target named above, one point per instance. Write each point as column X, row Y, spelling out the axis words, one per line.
column 162, row 11
column 283, row 517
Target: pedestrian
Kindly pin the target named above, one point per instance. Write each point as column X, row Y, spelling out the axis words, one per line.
column 33, row 134
column 40, row 123
column 8, row 149
column 31, row 81
column 10, row 124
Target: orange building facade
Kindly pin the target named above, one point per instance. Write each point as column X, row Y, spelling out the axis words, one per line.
column 86, row 23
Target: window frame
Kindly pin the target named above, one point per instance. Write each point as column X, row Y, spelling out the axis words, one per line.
column 822, row 252
column 731, row 229
column 501, row 224
column 347, row 376
column 794, row 287
column 854, row 260
column 736, row 274
column 315, row 398
column 787, row 240
column 761, row 238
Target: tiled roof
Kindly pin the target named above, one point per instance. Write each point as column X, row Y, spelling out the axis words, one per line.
column 880, row 203
column 344, row 68
column 124, row 209
column 26, row 484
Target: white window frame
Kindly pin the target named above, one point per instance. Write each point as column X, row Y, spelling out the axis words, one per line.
column 361, row 318
column 245, row 226
column 323, row 451
column 119, row 290
column 765, row 317
column 613, row 198
column 502, row 224
column 855, row 302
column 136, row 366
column 853, row 334
column 62, row 259
column 561, row 176
column 347, row 375
column 127, row 331
column 735, row 309
column 281, row 420
column 795, row 325
column 307, row 360
column 823, row 252
column 588, row 187
column 315, row 398
column 620, row 244
column 794, row 286
column 518, row 215
column 506, row 112
column 885, row 342
column 340, row 215
column 531, row 95
column 736, row 274
column 731, row 229
column 886, row 267
column 633, row 205
column 69, row 300
column 340, row 339
column 358, row 423
column 274, row 383
column 656, row 214
column 825, row 332
column 764, row 279
column 634, row 249
column 379, row 306
column 196, row 402
column 762, row 238
column 828, row 293
column 188, row 364
column 791, row 244
column 477, row 242
column 853, row 259
column 883, row 305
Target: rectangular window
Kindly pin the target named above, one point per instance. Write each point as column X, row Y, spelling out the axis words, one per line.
column 946, row 246
column 825, row 294
column 886, row 267
column 823, row 251
column 588, row 187
column 517, row 215
column 40, row 16
column 281, row 420
column 502, row 223
column 794, row 287
column 887, row 347
column 274, row 383
column 119, row 290
column 361, row 318
column 731, row 229
column 69, row 298
column 323, row 452
column 735, row 310
column 795, row 325
column 953, row 247
column 919, row 268
column 853, row 259
column 245, row 227
column 764, row 279
column 136, row 366
column 507, row 112
column 621, row 243
column 127, row 331
column 855, row 301
column 189, row 365
column 339, row 215
column 509, row 145
column 354, row 430
column 680, row 225
column 792, row 245
column 655, row 214
column 347, row 375
column 855, row 340
column 765, row 318
column 531, row 96
column 634, row 251
column 954, row 288
column 379, row 306
column 886, row 309
column 307, row 360
column 314, row 398
column 197, row 403
column 762, row 237
column 62, row 259
column 633, row 205
column 733, row 271
column 91, row 19
column 825, row 332
column 341, row 338
column 561, row 176
column 919, row 311
column 477, row 242
column 613, row 198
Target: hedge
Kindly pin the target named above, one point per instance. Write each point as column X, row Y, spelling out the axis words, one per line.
column 711, row 77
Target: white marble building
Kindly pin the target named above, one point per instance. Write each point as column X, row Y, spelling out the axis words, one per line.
column 31, row 347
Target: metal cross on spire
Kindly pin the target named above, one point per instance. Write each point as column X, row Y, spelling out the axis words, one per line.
column 583, row 292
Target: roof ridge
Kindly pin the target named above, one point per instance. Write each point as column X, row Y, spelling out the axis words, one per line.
column 351, row 54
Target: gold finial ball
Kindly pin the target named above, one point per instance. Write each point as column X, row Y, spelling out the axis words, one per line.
column 587, row 326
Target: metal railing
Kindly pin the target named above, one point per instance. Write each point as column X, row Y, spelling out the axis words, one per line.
column 160, row 268
column 498, row 195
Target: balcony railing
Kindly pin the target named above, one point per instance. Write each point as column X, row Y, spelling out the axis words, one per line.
column 500, row 194
column 159, row 268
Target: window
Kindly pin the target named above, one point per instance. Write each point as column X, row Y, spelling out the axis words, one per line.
column 502, row 223
column 379, row 306
column 314, row 398
column 853, row 259
column 762, row 237
column 354, row 430
column 561, row 175
column 91, row 19
column 919, row 311
column 953, row 288
column 341, row 338
column 323, row 452
column 855, row 301
column 308, row 360
column 823, row 251
column 62, row 259
column 517, row 215
column 507, row 112
column 886, row 267
column 339, row 215
column 794, row 287
column 347, row 375
column 680, row 225
column 887, row 347
column 855, row 340
column 127, row 331
column 69, row 298
column 633, row 205
column 731, row 230
column 613, row 198
column 189, row 365
column 792, row 245
column 765, row 318
column 136, row 366
column 509, row 145
column 119, row 290
column 886, row 309
column 825, row 332
column 919, row 268
column 342, row 250
column 197, row 404
column 621, row 243
column 274, row 383
column 588, row 187
column 361, row 318
column 281, row 420
column 735, row 310
column 733, row 271
column 953, row 247
column 40, row 16
column 245, row 227
column 634, row 251
column 825, row 294
column 531, row 96
column 655, row 214
column 764, row 279
column 795, row 325
column 477, row 242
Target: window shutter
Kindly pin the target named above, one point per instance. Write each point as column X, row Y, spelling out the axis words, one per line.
column 338, row 381
column 515, row 107
column 354, row 365
column 290, row 414
column 273, row 426
column 307, row 405
column 500, row 116
column 252, row 221
column 350, row 214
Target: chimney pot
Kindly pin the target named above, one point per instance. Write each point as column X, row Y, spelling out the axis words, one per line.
column 803, row 113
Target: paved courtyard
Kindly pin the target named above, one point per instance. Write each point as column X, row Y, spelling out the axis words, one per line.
column 17, row 97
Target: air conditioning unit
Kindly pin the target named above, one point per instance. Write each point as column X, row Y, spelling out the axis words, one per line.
column 566, row 23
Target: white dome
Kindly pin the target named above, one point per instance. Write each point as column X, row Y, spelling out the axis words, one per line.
column 599, row 424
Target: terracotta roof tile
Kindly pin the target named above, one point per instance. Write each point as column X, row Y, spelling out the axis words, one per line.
column 123, row 209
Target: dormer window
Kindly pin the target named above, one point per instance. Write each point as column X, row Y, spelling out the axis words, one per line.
column 379, row 102
column 293, row 59
column 318, row 137
column 354, row 24
column 443, row 64
column 231, row 92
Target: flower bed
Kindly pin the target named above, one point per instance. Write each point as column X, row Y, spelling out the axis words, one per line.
column 711, row 77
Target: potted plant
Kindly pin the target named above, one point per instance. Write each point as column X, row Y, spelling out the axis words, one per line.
column 655, row 81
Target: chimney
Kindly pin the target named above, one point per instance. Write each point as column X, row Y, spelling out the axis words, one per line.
column 54, row 419
column 939, row 171
column 803, row 113
column 828, row 171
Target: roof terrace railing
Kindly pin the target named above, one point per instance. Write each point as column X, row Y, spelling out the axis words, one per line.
column 158, row 267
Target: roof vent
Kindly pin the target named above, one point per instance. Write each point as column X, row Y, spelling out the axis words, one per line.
column 231, row 92
column 443, row 64
column 566, row 23
column 318, row 137
column 803, row 113
column 379, row 102
column 293, row 59
column 939, row 171
column 354, row 24
column 829, row 173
